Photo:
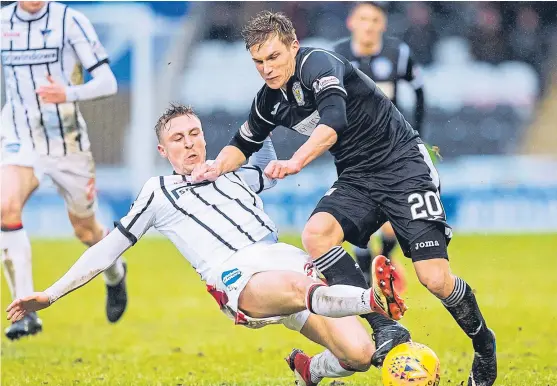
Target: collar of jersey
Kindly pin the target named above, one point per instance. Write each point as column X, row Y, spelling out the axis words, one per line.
column 26, row 16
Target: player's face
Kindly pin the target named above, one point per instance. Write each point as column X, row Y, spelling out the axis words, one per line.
column 182, row 143
column 367, row 24
column 275, row 61
column 32, row 6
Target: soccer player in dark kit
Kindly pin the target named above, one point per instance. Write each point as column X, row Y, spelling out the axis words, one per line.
column 387, row 61
column 384, row 174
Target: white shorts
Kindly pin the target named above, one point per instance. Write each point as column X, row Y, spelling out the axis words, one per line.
column 73, row 174
column 74, row 177
column 228, row 282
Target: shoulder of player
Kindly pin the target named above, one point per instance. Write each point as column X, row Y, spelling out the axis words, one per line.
column 7, row 12
column 312, row 61
column 75, row 16
column 342, row 46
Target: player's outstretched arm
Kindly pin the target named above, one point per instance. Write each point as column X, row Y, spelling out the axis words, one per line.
column 321, row 140
column 94, row 261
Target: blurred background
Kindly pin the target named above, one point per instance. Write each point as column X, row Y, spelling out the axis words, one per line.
column 490, row 83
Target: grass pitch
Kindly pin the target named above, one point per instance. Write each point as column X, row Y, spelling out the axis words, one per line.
column 174, row 334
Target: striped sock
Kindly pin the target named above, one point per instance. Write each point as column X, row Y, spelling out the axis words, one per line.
column 462, row 305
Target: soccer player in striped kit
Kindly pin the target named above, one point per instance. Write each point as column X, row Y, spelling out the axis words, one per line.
column 45, row 47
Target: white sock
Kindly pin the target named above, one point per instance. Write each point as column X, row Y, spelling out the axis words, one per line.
column 115, row 273
column 326, row 365
column 16, row 258
column 338, row 301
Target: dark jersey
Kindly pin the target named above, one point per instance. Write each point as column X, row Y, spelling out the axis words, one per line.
column 392, row 64
column 374, row 134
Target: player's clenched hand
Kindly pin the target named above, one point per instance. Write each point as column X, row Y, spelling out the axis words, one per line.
column 53, row 92
column 206, row 172
column 281, row 169
column 21, row 307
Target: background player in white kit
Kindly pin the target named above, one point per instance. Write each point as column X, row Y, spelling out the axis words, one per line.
column 221, row 228
column 45, row 47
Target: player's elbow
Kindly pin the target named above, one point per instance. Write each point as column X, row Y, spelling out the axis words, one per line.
column 111, row 84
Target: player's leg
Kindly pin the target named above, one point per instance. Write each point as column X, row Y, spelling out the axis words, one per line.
column 74, row 176
column 18, row 183
column 364, row 257
column 433, row 271
column 339, row 216
column 349, row 349
column 388, row 240
column 419, row 220
column 272, row 293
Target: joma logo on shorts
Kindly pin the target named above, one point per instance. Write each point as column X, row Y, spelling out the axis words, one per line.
column 427, row 244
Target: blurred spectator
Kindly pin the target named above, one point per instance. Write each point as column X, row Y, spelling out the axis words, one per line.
column 487, row 37
column 421, row 34
column 223, row 20
column 525, row 39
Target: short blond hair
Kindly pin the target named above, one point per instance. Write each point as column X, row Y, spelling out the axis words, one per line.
column 267, row 24
column 173, row 111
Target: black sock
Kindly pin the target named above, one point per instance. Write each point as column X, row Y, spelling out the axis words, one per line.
column 464, row 308
column 389, row 243
column 339, row 267
column 363, row 257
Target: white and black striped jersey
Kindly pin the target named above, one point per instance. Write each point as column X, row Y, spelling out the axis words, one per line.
column 57, row 41
column 208, row 221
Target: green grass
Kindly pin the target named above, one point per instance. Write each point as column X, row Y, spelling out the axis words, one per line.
column 174, row 334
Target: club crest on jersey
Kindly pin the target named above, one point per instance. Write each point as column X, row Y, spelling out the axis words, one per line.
column 230, row 277
column 12, row 147
column 298, row 93
column 382, row 68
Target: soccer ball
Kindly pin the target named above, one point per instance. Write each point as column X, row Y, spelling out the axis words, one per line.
column 411, row 364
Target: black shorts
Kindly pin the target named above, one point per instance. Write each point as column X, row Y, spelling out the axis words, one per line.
column 406, row 193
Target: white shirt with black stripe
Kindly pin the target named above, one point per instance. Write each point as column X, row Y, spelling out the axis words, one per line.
column 57, row 41
column 209, row 221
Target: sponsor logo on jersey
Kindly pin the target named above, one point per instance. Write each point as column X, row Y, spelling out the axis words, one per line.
column 325, row 82
column 307, row 125
column 381, row 68
column 10, row 34
column 427, row 244
column 298, row 93
column 30, row 57
column 230, row 277
column 12, row 147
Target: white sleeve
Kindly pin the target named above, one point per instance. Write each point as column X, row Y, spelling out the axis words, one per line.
column 141, row 216
column 94, row 261
column 84, row 40
column 103, row 84
column 252, row 172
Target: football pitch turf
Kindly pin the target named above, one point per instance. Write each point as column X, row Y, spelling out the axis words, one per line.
column 174, row 334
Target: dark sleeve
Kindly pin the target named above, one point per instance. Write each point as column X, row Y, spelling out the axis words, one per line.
column 323, row 73
column 414, row 76
column 249, row 138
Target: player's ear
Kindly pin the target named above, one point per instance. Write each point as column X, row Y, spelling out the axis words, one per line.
column 162, row 151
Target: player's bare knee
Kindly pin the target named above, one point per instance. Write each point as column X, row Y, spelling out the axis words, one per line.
column 435, row 281
column 85, row 234
column 11, row 211
column 359, row 355
column 318, row 237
